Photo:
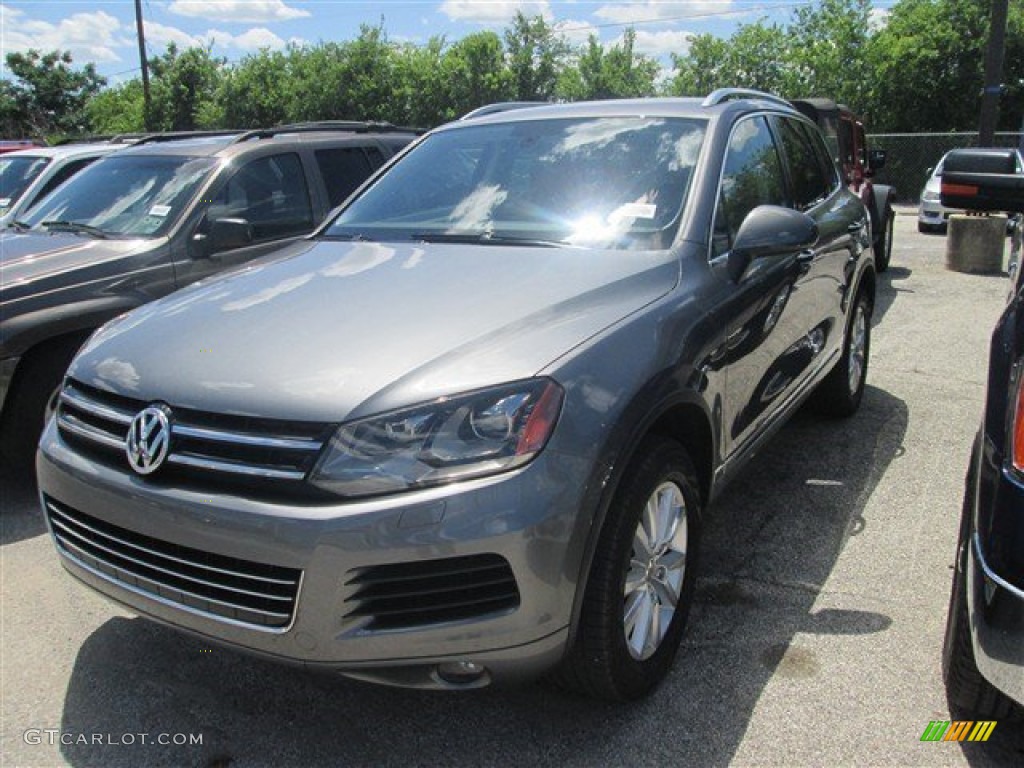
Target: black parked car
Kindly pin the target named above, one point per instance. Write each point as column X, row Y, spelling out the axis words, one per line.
column 983, row 656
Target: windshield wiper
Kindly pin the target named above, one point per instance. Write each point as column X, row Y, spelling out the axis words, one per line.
column 76, row 227
column 355, row 237
column 486, row 238
column 21, row 226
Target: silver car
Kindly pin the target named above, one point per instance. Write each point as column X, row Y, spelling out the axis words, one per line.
column 468, row 431
column 932, row 215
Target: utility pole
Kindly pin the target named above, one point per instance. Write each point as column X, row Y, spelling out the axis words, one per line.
column 993, row 74
column 146, row 111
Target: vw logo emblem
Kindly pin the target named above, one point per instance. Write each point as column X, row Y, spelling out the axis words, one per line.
column 149, row 437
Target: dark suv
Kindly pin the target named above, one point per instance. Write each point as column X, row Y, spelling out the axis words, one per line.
column 152, row 218
column 469, row 429
column 983, row 655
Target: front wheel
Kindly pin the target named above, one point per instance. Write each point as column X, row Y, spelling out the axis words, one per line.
column 641, row 582
column 839, row 395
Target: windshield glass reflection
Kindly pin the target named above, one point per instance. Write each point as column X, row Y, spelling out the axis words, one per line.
column 139, row 195
column 618, row 182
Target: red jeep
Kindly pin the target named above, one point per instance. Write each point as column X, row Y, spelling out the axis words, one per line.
column 844, row 133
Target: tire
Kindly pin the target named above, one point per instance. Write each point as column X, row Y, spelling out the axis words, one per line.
column 883, row 254
column 840, row 393
column 923, row 228
column 628, row 631
column 35, row 382
column 966, row 687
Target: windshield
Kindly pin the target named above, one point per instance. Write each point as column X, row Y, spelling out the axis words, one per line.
column 616, row 182
column 16, row 173
column 135, row 195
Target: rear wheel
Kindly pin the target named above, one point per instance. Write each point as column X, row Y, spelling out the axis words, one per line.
column 884, row 251
column 641, row 582
column 840, row 393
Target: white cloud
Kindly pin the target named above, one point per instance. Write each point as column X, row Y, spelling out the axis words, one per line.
column 878, row 18
column 250, row 40
column 159, row 35
column 576, row 32
column 661, row 10
column 241, row 11
column 494, row 11
column 89, row 36
column 658, row 44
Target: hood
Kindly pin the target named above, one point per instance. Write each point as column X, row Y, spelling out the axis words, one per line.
column 344, row 330
column 28, row 259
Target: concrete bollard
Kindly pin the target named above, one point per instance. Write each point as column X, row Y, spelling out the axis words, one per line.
column 975, row 243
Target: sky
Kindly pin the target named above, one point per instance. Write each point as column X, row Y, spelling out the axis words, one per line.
column 103, row 31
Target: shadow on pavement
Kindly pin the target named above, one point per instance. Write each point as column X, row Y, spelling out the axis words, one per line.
column 771, row 542
column 20, row 516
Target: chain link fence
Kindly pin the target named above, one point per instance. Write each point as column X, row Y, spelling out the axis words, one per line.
column 912, row 156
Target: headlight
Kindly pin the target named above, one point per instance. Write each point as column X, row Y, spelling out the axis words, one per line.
column 930, row 197
column 479, row 433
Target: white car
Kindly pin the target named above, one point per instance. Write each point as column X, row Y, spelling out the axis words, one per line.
column 29, row 175
column 932, row 216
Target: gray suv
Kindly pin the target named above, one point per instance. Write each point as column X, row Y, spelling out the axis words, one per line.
column 468, row 431
column 152, row 218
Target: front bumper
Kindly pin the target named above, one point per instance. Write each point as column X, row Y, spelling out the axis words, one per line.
column 528, row 517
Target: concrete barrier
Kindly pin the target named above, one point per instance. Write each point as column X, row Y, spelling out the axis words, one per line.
column 975, row 243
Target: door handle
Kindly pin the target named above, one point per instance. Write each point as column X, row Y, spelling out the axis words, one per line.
column 855, row 227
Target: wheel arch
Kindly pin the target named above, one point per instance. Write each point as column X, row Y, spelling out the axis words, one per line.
column 684, row 418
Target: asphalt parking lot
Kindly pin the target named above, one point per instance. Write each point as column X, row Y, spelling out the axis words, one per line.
column 815, row 641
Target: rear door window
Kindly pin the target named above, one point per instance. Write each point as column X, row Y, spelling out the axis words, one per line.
column 343, row 169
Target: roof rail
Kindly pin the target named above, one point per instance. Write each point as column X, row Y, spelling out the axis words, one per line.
column 501, row 106
column 348, row 126
column 156, row 138
column 722, row 95
column 103, row 138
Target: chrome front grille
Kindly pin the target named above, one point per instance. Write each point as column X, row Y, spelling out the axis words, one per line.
column 416, row 594
column 210, row 443
column 226, row 588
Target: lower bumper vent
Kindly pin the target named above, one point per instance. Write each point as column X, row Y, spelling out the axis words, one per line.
column 404, row 595
column 258, row 595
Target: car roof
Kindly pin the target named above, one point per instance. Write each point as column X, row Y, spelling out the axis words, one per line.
column 66, row 150
column 723, row 102
column 233, row 143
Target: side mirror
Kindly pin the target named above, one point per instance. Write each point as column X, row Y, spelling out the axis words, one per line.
column 876, row 158
column 770, row 230
column 928, row 173
column 982, row 181
column 226, row 234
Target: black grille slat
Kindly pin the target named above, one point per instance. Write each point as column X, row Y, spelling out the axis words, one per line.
column 404, row 595
column 226, row 587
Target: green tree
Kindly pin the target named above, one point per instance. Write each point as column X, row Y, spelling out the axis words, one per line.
column 117, row 110
column 618, row 72
column 828, row 44
column 47, row 94
column 703, row 68
column 927, row 66
column 474, row 69
column 256, row 92
column 183, row 88
column 536, row 55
